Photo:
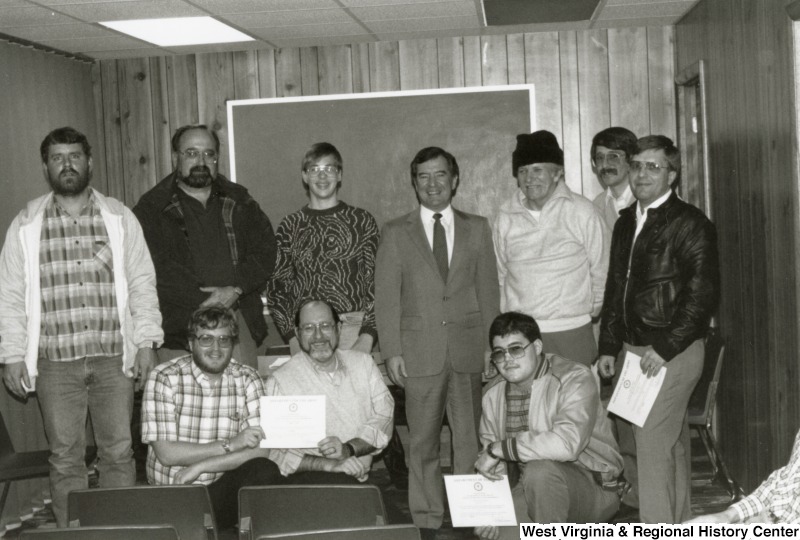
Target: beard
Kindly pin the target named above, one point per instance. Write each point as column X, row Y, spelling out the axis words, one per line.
column 199, row 177
column 69, row 182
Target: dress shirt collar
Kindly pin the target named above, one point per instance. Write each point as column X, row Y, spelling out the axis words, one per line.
column 655, row 204
column 426, row 214
column 623, row 201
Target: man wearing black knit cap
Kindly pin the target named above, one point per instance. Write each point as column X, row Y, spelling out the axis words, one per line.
column 552, row 252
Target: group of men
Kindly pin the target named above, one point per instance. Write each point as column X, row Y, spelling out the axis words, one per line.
column 84, row 307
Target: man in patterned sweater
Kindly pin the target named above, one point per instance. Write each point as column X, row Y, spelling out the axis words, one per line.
column 326, row 250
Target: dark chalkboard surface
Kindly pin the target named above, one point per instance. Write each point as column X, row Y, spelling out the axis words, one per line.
column 378, row 134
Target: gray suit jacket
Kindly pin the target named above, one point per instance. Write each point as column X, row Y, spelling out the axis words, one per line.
column 422, row 318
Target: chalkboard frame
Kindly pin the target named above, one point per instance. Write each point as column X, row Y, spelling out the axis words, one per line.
column 267, row 138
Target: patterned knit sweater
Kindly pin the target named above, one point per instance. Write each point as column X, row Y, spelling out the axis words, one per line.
column 327, row 254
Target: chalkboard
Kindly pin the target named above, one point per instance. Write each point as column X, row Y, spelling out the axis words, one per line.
column 378, row 135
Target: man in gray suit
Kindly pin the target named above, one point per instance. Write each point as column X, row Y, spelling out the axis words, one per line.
column 436, row 294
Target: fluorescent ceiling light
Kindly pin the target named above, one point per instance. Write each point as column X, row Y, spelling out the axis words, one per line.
column 179, row 31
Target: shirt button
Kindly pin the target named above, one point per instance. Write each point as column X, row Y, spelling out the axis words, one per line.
column 77, row 242
column 79, row 263
column 444, row 323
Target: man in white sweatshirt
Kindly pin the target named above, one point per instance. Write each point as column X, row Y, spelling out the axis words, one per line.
column 552, row 253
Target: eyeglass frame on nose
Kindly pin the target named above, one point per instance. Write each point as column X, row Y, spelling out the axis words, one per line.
column 617, row 157
column 218, row 340
column 507, row 353
column 310, row 329
column 651, row 167
column 316, row 170
column 210, row 156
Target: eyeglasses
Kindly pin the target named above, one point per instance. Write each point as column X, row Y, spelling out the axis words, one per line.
column 324, row 327
column 609, row 158
column 652, row 168
column 498, row 356
column 209, row 155
column 59, row 159
column 207, row 341
column 315, row 170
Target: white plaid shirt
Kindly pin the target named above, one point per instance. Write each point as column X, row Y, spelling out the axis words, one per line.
column 180, row 404
column 779, row 495
column 79, row 306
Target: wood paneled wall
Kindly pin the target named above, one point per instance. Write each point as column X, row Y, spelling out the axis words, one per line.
column 747, row 48
column 63, row 90
column 585, row 81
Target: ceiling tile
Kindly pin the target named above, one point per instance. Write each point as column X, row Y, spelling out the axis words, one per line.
column 30, row 16
column 133, row 9
column 366, row 3
column 220, row 47
column 96, row 44
column 127, row 53
column 322, row 41
column 308, row 30
column 420, row 25
column 59, row 31
column 290, row 18
column 416, row 11
column 253, row 6
column 662, row 9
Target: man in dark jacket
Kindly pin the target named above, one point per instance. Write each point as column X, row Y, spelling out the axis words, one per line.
column 662, row 288
column 210, row 243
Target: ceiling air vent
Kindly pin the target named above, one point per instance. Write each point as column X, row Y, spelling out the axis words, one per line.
column 504, row 12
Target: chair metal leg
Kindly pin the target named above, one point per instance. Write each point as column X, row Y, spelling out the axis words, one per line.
column 734, row 489
column 703, row 431
column 4, row 496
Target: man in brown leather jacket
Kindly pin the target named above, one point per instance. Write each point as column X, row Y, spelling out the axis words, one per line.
column 662, row 288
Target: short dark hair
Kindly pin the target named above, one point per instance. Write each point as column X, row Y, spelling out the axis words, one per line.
column 318, row 151
column 64, row 135
column 514, row 321
column 212, row 318
column 176, row 138
column 303, row 304
column 671, row 152
column 615, row 138
column 433, row 152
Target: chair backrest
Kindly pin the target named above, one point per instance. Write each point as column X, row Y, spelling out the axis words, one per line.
column 704, row 396
column 386, row 532
column 129, row 532
column 282, row 509
column 187, row 508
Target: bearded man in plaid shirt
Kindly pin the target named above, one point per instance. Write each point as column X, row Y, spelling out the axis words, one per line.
column 79, row 316
column 200, row 414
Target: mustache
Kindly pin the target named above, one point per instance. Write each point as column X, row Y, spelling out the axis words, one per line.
column 200, row 169
column 68, row 170
column 609, row 170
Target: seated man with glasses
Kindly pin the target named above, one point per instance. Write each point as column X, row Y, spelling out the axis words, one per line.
column 211, row 244
column 545, row 427
column 359, row 410
column 200, row 414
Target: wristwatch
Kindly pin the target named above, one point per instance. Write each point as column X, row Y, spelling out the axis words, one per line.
column 489, row 451
column 351, row 448
column 226, row 445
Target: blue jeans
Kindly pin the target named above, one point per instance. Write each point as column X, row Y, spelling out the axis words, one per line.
column 67, row 391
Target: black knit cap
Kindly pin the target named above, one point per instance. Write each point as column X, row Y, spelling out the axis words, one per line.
column 538, row 147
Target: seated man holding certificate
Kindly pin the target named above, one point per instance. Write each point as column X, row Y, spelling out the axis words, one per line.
column 359, row 410
column 200, row 414
column 545, row 427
